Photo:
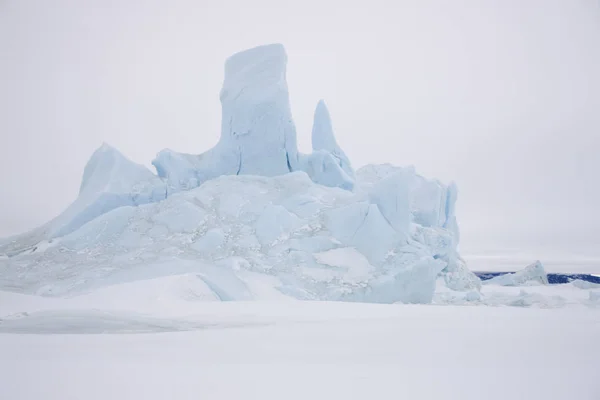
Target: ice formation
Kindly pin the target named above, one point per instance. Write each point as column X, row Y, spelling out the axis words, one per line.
column 258, row 135
column 585, row 285
column 109, row 181
column 532, row 274
column 324, row 139
column 307, row 225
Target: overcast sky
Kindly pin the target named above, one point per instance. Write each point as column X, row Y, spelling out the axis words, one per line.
column 501, row 96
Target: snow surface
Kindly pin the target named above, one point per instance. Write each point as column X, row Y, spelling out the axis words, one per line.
column 91, row 346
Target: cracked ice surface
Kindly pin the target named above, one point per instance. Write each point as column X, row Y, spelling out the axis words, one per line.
column 284, row 228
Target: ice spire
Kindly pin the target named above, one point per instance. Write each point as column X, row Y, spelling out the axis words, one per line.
column 256, row 119
column 324, row 139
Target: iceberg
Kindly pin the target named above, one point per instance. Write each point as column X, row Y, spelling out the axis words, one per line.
column 532, row 274
column 251, row 215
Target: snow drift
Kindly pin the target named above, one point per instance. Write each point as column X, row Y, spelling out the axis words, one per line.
column 251, row 214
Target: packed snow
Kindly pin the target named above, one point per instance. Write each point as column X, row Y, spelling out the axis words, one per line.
column 97, row 346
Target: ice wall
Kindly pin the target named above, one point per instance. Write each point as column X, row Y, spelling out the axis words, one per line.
column 257, row 123
column 258, row 135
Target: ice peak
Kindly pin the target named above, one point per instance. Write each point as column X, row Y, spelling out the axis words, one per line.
column 258, row 134
column 323, row 138
column 272, row 52
column 109, row 170
column 106, row 147
column 322, row 130
column 257, row 131
column 103, row 158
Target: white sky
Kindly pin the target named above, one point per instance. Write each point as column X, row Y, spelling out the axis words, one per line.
column 502, row 96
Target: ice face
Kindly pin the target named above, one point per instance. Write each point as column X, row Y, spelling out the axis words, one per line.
column 256, row 118
column 458, row 277
column 432, row 204
column 109, row 181
column 392, row 196
column 315, row 242
column 323, row 168
column 451, row 223
column 258, row 135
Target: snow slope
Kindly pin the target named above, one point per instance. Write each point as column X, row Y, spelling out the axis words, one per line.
column 171, row 337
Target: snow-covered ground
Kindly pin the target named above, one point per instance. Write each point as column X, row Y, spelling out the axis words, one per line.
column 164, row 338
column 296, row 350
